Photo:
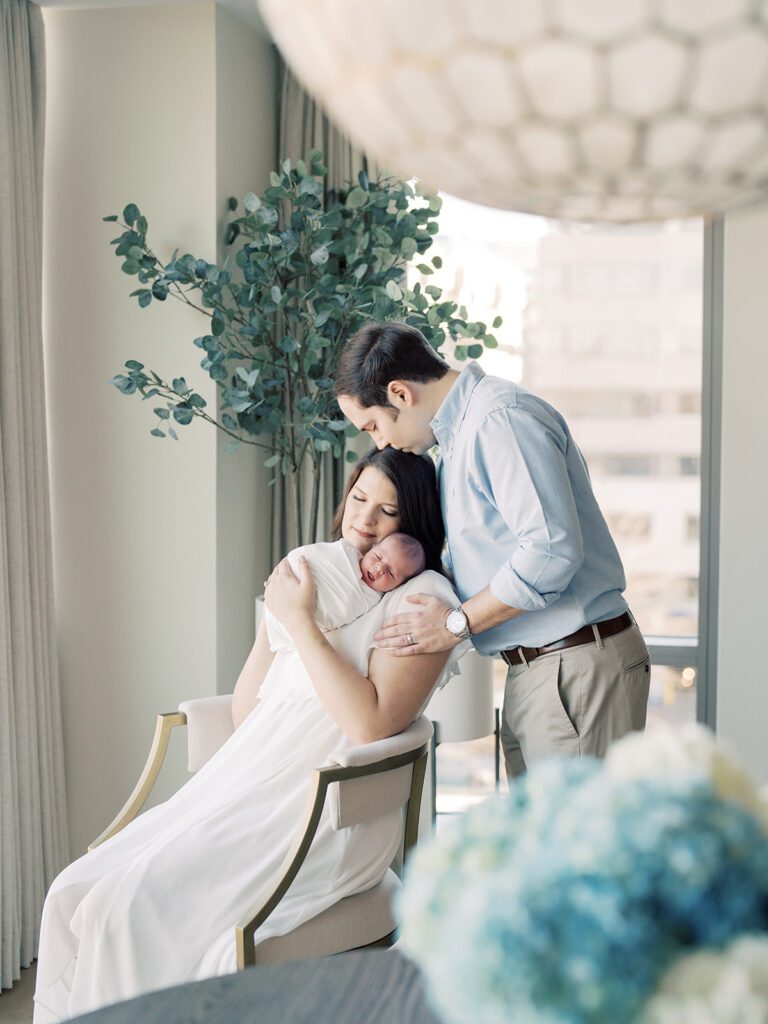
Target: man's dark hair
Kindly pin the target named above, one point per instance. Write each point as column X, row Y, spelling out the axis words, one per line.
column 380, row 353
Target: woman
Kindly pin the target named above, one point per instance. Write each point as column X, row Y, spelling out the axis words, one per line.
column 156, row 905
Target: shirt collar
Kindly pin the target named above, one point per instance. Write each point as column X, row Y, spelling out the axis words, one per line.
column 449, row 416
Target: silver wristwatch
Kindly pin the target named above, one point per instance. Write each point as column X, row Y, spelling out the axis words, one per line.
column 458, row 624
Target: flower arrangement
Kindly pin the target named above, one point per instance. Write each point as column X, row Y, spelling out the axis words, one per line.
column 629, row 891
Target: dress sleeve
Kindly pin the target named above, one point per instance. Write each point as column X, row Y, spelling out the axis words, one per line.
column 432, row 583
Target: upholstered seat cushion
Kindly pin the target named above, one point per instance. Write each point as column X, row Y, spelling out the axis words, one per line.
column 352, row 922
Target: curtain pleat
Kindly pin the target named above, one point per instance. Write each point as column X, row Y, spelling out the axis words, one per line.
column 33, row 831
column 304, row 126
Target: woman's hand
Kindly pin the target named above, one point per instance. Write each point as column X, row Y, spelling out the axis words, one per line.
column 291, row 598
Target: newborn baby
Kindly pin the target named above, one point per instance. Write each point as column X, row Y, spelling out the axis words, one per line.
column 348, row 585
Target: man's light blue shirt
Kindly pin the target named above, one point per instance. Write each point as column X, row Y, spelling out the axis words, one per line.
column 520, row 513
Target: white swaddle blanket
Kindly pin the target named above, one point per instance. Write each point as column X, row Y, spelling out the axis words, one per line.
column 341, row 596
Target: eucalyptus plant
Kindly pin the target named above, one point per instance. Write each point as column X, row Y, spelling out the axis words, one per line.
column 305, row 271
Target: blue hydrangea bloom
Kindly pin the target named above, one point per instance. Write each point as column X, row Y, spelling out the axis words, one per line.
column 566, row 901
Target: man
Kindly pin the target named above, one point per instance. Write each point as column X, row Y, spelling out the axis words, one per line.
column 538, row 575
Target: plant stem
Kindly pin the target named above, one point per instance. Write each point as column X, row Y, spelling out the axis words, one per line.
column 226, row 430
column 295, row 493
column 317, row 462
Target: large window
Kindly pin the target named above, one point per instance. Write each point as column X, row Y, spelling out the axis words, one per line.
column 606, row 324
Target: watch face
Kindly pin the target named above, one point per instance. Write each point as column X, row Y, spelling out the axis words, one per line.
column 456, row 622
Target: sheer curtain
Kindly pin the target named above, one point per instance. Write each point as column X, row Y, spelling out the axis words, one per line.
column 304, row 126
column 33, row 839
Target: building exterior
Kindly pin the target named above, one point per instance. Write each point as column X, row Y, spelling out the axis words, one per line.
column 605, row 323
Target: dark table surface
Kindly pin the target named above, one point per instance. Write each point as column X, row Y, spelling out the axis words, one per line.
column 374, row 987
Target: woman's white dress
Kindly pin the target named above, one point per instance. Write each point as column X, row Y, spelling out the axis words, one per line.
column 157, row 904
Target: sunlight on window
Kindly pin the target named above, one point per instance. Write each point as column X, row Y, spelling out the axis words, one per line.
column 604, row 322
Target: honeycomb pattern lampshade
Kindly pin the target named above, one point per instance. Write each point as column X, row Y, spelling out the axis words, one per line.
column 614, row 110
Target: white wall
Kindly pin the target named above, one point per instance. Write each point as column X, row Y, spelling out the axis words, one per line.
column 134, row 104
column 246, row 94
column 742, row 690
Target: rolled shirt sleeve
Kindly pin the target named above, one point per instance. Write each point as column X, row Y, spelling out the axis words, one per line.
column 520, row 464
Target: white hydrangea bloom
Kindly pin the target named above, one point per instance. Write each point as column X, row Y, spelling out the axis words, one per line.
column 690, row 752
column 714, row 987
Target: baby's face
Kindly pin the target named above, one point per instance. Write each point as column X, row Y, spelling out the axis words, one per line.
column 388, row 564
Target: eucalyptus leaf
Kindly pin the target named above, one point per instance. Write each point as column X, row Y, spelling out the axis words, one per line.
column 183, row 415
column 356, row 198
column 319, row 256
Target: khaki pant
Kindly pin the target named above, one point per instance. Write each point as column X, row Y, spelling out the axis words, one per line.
column 576, row 701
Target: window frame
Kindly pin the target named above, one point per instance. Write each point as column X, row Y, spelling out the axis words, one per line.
column 711, row 444
column 701, row 651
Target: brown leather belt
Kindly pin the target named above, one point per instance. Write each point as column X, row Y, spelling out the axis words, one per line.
column 585, row 635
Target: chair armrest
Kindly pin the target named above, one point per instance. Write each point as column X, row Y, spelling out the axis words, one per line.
column 354, row 800
column 277, row 887
column 405, row 752
column 418, row 734
column 209, row 726
column 142, row 789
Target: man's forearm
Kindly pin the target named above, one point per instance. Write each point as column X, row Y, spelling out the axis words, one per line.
column 485, row 611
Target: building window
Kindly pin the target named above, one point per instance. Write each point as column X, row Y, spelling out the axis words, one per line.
column 692, row 528
column 629, row 526
column 606, row 324
column 623, row 465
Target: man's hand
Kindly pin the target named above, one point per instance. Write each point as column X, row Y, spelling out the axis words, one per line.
column 418, row 632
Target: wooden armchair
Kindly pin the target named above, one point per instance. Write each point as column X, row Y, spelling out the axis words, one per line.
column 359, row 783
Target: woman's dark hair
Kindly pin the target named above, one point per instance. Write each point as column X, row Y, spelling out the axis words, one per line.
column 380, row 353
column 415, row 480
